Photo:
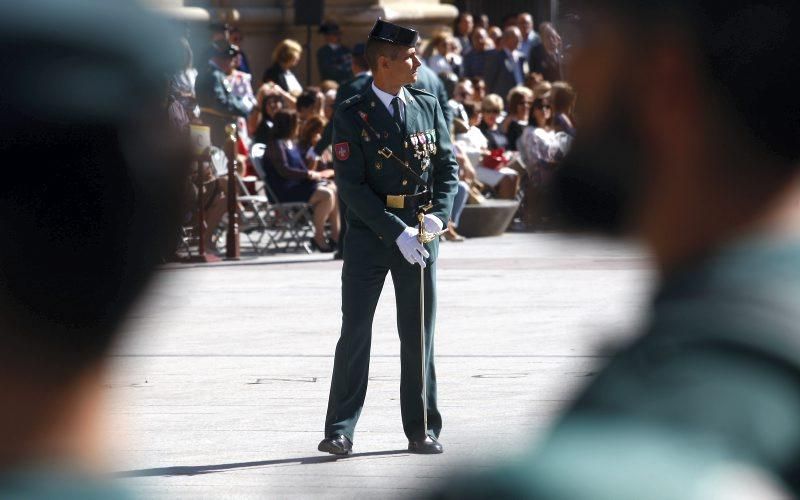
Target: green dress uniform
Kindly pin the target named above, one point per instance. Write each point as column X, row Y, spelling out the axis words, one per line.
column 712, row 386
column 382, row 199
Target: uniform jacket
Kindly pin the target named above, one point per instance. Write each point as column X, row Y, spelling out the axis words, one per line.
column 334, row 63
column 365, row 178
column 213, row 92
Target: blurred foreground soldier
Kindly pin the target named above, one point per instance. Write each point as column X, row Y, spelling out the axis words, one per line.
column 82, row 234
column 682, row 145
column 392, row 157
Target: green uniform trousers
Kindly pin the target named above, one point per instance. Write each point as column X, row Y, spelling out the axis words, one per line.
column 366, row 262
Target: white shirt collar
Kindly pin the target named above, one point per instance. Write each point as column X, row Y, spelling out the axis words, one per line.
column 386, row 98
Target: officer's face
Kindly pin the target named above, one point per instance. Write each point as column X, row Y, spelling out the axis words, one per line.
column 402, row 70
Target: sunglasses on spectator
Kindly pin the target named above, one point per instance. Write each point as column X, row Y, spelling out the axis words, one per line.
column 540, row 104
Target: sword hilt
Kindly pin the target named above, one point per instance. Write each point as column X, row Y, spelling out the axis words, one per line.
column 424, row 236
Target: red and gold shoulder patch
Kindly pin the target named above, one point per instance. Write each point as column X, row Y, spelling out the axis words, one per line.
column 342, row 151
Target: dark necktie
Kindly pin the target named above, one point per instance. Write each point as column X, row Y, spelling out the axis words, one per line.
column 398, row 117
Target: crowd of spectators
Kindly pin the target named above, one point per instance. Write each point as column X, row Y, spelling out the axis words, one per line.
column 501, row 88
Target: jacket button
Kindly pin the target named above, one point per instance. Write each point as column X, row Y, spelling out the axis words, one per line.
column 405, row 182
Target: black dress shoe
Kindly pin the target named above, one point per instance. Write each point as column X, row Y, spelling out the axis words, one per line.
column 427, row 446
column 336, row 445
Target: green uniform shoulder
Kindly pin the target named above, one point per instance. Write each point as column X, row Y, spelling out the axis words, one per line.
column 419, row 92
column 352, row 101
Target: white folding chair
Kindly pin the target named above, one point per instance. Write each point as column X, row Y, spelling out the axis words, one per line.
column 292, row 221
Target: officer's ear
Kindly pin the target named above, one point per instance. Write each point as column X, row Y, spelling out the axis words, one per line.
column 383, row 61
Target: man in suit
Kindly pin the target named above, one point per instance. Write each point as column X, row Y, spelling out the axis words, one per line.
column 475, row 60
column 529, row 37
column 393, row 156
column 333, row 58
column 506, row 67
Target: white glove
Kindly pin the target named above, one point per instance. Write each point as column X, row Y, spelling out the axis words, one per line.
column 409, row 245
column 432, row 223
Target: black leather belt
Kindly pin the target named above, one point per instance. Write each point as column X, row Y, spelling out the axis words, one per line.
column 407, row 200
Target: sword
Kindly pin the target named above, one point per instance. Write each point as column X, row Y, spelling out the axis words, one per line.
column 424, row 237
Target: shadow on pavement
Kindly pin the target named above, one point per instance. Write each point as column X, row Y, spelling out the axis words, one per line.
column 193, row 470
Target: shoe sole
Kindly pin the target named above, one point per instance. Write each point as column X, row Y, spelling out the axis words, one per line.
column 425, row 452
column 333, row 450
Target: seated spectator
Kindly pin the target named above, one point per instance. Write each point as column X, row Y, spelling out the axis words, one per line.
column 461, row 95
column 478, row 89
column 291, row 180
column 563, row 104
column 482, row 21
column 462, row 30
column 220, row 105
column 473, row 143
column 285, row 57
column 541, row 116
column 475, row 60
column 330, row 104
column 492, row 110
column 540, row 148
column 546, row 57
column 309, row 137
column 261, row 121
column 520, row 100
column 442, row 55
column 466, row 179
column 310, row 103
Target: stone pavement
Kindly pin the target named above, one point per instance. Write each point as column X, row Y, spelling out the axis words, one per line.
column 220, row 388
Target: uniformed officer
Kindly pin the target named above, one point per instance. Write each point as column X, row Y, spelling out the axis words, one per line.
column 215, row 94
column 333, row 58
column 392, row 155
column 352, row 87
column 357, row 85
